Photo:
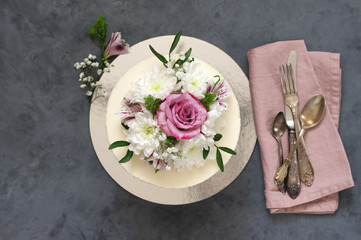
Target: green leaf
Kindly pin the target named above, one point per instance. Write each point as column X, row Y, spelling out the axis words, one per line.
column 119, row 144
column 227, row 150
column 175, row 42
column 125, row 126
column 152, row 104
column 159, row 56
column 205, row 152
column 187, row 54
column 217, row 137
column 208, row 100
column 127, row 157
column 170, row 141
column 220, row 160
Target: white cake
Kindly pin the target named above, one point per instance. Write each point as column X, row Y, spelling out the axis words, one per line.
column 141, row 169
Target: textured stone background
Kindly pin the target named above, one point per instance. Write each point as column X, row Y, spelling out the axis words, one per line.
column 52, row 185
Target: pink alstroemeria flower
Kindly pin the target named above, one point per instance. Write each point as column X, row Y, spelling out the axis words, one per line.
column 220, row 88
column 129, row 110
column 116, row 46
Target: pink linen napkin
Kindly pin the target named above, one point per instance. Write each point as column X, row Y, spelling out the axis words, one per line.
column 317, row 73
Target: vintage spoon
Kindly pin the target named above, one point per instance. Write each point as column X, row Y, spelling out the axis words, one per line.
column 278, row 129
column 311, row 115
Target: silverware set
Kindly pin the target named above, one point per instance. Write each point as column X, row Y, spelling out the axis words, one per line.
column 297, row 166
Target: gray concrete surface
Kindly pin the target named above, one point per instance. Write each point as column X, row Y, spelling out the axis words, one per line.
column 52, row 185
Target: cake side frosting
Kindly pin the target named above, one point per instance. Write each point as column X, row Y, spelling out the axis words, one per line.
column 142, row 170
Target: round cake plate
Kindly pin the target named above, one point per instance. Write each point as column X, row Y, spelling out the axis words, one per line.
column 175, row 196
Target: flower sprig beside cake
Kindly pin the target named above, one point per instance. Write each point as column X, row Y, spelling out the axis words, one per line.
column 172, row 116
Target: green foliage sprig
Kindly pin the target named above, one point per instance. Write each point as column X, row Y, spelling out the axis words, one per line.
column 208, row 100
column 219, row 158
column 98, row 32
column 152, row 104
column 129, row 153
column 179, row 62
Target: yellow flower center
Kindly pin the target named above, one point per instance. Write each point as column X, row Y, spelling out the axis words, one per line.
column 156, row 87
column 194, row 83
column 148, row 131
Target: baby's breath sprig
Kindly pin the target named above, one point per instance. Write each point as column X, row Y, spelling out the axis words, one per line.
column 89, row 77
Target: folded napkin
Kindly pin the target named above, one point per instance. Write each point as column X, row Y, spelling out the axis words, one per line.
column 317, row 73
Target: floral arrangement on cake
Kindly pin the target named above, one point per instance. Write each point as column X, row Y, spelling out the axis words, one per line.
column 171, row 117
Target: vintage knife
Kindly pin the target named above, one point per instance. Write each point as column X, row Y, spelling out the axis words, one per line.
column 293, row 179
column 305, row 167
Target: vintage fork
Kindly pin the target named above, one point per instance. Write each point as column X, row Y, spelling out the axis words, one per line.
column 291, row 100
column 290, row 90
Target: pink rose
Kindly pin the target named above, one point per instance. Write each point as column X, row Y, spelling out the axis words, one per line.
column 181, row 116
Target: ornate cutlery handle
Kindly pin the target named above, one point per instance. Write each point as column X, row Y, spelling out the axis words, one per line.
column 293, row 181
column 306, row 170
column 282, row 185
column 282, row 171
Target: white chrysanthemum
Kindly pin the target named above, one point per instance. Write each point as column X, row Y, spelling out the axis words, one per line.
column 159, row 84
column 192, row 152
column 195, row 80
column 214, row 121
column 144, row 134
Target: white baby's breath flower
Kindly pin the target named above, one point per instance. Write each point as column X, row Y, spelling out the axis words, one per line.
column 82, row 64
column 180, row 75
column 86, row 59
column 82, row 86
column 88, row 62
column 144, row 134
column 80, row 80
column 195, row 80
column 81, row 75
column 98, row 84
column 89, row 93
column 107, row 63
column 90, row 56
column 94, row 57
column 76, row 64
column 174, row 57
column 105, row 93
column 99, row 71
column 92, row 85
column 106, row 70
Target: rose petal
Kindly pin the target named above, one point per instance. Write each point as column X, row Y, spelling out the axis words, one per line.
column 182, row 134
column 171, row 99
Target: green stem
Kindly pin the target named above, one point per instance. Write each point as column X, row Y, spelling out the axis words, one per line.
column 96, row 98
